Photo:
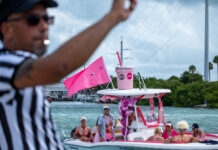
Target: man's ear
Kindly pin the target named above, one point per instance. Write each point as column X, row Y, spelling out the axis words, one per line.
column 6, row 30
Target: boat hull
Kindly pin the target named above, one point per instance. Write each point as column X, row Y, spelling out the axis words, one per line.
column 78, row 145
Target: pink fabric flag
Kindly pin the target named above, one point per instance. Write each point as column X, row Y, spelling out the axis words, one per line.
column 95, row 74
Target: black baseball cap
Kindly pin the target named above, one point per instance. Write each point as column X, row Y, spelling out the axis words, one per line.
column 195, row 125
column 7, row 7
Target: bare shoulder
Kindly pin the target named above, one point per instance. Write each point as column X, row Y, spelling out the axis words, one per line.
column 77, row 129
column 150, row 138
column 160, row 138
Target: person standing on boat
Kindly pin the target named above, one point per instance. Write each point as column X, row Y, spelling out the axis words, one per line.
column 105, row 125
column 83, row 132
column 25, row 119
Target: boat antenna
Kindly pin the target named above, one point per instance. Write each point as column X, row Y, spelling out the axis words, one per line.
column 112, row 83
column 140, row 77
column 138, row 81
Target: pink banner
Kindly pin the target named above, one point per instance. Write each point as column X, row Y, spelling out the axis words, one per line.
column 95, row 74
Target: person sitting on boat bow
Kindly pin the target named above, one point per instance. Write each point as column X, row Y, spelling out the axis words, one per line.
column 182, row 137
column 105, row 125
column 197, row 133
column 83, row 132
column 157, row 136
column 169, row 133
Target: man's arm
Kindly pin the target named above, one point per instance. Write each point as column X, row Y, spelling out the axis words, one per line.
column 100, row 134
column 89, row 134
column 73, row 53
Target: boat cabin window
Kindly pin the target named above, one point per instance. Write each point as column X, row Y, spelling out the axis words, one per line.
column 151, row 116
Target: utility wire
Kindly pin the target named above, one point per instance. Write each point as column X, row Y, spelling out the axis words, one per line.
column 174, row 34
column 163, row 21
column 149, row 25
column 179, row 30
column 212, row 2
column 146, row 18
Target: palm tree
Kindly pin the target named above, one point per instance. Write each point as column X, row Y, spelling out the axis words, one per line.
column 210, row 68
column 192, row 69
column 215, row 60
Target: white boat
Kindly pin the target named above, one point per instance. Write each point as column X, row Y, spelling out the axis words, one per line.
column 143, row 126
column 125, row 145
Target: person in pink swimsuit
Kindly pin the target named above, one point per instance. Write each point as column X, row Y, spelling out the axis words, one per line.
column 197, row 133
column 169, row 133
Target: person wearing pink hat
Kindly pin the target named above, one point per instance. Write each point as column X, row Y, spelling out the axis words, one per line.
column 169, row 133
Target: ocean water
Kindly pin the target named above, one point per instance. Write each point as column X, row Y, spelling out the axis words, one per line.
column 66, row 116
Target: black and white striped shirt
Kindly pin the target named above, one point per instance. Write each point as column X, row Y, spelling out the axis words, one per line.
column 25, row 119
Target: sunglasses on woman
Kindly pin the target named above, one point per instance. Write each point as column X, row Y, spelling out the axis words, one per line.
column 34, row 19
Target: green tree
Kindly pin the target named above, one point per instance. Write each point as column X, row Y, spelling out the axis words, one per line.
column 189, row 95
column 215, row 60
column 198, row 77
column 211, row 94
column 190, row 76
column 210, row 68
column 185, row 77
column 173, row 78
column 192, row 69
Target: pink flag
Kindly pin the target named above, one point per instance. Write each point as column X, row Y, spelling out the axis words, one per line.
column 93, row 75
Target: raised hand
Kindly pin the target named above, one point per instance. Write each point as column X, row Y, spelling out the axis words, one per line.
column 120, row 11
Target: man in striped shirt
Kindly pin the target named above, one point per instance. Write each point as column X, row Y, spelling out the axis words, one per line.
column 25, row 119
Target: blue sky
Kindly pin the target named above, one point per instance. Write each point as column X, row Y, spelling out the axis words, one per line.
column 165, row 36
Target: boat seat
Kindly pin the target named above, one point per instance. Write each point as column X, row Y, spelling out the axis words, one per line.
column 138, row 139
column 136, row 136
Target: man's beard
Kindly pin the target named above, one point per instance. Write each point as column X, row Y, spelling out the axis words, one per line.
column 41, row 50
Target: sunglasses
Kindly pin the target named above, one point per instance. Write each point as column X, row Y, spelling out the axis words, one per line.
column 34, row 19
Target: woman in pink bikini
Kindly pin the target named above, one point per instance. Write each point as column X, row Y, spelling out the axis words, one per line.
column 197, row 133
